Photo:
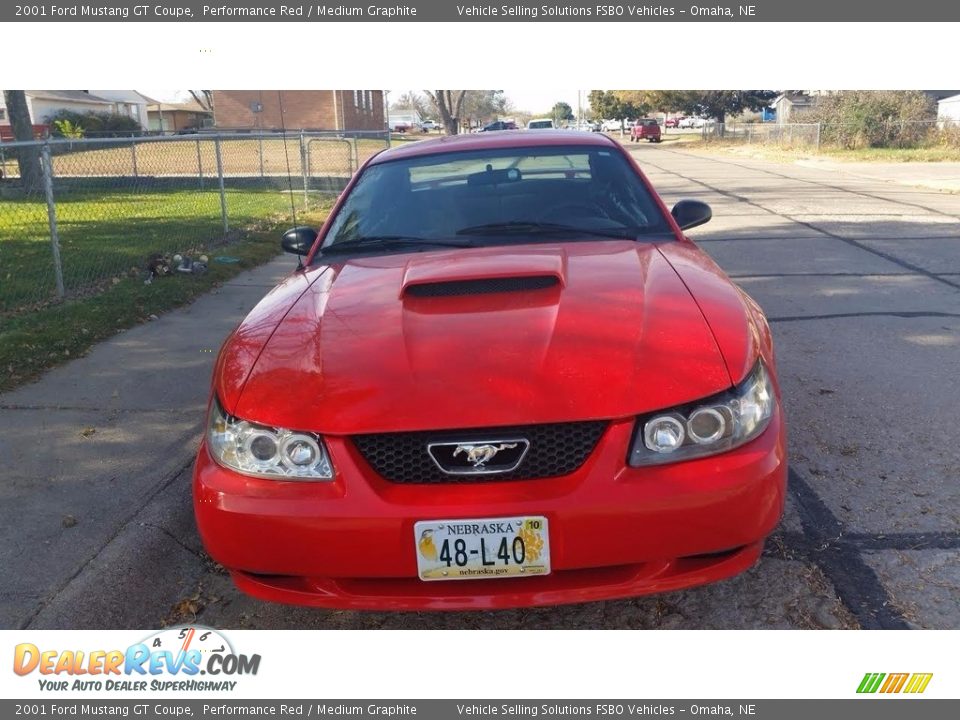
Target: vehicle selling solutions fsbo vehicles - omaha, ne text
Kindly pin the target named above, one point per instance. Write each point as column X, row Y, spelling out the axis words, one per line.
column 503, row 377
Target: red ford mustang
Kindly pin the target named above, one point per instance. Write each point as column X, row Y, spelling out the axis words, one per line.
column 503, row 377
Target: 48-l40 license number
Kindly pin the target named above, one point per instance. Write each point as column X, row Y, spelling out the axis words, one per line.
column 478, row 549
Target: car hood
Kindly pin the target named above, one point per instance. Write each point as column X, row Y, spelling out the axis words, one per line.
column 479, row 338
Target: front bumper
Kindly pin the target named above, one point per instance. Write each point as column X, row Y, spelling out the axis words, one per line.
column 615, row 531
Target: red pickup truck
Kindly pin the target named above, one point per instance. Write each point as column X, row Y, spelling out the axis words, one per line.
column 645, row 129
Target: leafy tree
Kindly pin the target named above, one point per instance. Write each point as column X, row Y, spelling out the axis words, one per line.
column 712, row 103
column 28, row 158
column 619, row 104
column 561, row 113
column 604, row 104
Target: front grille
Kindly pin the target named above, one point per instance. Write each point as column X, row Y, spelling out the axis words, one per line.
column 555, row 450
column 482, row 286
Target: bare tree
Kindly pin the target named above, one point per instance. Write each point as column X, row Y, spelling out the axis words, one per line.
column 28, row 158
column 449, row 104
column 203, row 98
column 412, row 101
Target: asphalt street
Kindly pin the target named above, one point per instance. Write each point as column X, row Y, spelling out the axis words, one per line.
column 859, row 274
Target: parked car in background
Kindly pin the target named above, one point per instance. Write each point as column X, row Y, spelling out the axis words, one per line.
column 588, row 126
column 540, row 124
column 429, row 126
column 499, row 125
column 692, row 122
column 611, row 125
column 673, row 122
column 646, row 129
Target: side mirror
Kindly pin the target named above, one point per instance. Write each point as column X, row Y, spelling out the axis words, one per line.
column 299, row 240
column 691, row 213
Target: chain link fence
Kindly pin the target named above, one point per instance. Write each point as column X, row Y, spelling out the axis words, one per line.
column 882, row 133
column 95, row 210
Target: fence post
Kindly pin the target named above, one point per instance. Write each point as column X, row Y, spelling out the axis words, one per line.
column 133, row 150
column 304, row 170
column 47, row 167
column 260, row 139
column 818, row 137
column 223, row 193
column 199, row 165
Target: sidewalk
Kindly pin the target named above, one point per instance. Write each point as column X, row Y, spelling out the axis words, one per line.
column 90, row 444
column 943, row 176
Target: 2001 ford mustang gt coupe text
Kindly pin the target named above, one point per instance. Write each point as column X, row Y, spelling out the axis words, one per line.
column 503, row 377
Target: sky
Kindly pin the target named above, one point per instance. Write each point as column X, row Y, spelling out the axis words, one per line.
column 540, row 100
column 531, row 100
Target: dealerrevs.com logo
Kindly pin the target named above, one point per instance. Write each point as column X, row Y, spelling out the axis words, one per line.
column 172, row 659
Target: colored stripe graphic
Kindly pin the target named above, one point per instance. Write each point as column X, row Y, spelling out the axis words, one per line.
column 918, row 682
column 895, row 682
column 870, row 682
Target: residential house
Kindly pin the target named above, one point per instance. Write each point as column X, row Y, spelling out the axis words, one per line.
column 43, row 104
column 789, row 103
column 128, row 103
column 178, row 116
column 336, row 110
column 948, row 110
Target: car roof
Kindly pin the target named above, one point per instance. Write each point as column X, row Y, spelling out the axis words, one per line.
column 498, row 139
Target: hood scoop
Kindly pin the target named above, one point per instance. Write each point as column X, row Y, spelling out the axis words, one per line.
column 483, row 272
column 481, row 286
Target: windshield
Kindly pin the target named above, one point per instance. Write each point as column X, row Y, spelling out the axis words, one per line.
column 497, row 196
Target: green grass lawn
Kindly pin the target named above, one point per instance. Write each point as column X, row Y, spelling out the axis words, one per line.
column 107, row 234
column 107, row 239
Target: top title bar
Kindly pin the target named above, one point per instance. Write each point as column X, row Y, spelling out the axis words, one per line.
column 462, row 11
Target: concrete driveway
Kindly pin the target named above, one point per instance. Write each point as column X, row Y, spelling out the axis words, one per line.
column 861, row 280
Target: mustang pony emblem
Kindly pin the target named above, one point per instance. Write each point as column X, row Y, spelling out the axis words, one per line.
column 479, row 455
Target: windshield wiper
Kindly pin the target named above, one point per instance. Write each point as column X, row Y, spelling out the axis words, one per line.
column 532, row 227
column 390, row 242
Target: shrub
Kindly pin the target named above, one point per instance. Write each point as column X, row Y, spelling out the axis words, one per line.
column 855, row 119
column 67, row 129
column 95, row 124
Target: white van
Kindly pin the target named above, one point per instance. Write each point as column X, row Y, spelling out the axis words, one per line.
column 540, row 124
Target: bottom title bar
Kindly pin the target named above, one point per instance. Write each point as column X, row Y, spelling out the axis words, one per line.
column 890, row 709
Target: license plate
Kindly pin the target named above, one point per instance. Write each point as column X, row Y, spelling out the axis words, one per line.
column 482, row 549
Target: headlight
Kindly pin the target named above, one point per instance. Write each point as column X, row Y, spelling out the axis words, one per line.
column 264, row 451
column 707, row 427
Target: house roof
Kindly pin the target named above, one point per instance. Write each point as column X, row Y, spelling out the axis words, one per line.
column 191, row 106
column 939, row 95
column 950, row 99
column 794, row 99
column 68, row 96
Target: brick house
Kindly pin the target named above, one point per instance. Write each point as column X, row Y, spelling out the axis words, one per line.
column 345, row 110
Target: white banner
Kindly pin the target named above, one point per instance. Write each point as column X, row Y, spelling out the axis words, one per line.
column 202, row 663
